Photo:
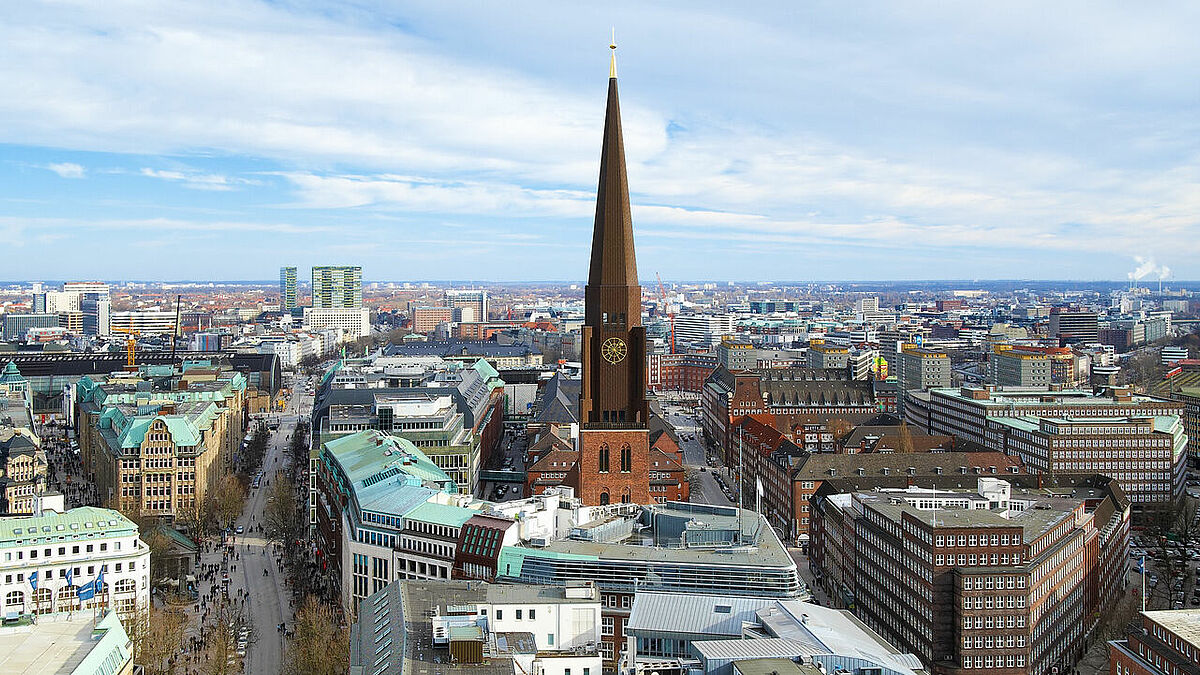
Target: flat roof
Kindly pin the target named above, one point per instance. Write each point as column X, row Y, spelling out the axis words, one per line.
column 57, row 644
column 1183, row 622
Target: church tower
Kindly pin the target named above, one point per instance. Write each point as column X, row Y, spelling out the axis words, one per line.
column 614, row 439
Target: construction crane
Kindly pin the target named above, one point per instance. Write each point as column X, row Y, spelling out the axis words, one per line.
column 130, row 348
column 662, row 299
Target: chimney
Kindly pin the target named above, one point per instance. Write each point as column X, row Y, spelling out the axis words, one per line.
column 937, row 470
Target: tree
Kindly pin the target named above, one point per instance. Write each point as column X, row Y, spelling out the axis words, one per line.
column 906, row 441
column 282, row 516
column 227, row 624
column 198, row 518
column 156, row 635
column 229, row 498
column 158, row 543
column 320, row 643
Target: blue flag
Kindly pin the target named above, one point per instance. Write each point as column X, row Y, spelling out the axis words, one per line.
column 70, row 577
column 33, row 577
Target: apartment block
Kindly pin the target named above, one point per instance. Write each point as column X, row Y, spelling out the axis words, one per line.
column 336, row 287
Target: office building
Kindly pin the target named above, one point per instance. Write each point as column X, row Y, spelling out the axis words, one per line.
column 474, row 302
column 964, row 412
column 336, row 287
column 425, row 320
column 143, row 322
column 1166, row 641
column 735, row 355
column 353, row 322
column 1147, row 455
column 17, row 326
column 1072, row 326
column 81, row 643
column 288, row 299
column 918, row 369
column 478, row 627
column 679, row 373
column 1002, row 576
column 821, row 355
column 702, row 330
column 1028, row 366
column 160, row 451
column 38, row 300
column 72, row 321
column 779, row 477
column 48, row 558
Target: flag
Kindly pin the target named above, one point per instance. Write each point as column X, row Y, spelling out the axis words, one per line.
column 70, row 577
column 758, row 485
column 33, row 576
column 1174, row 371
column 86, row 591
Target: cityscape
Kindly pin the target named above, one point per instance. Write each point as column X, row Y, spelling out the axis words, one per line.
column 310, row 363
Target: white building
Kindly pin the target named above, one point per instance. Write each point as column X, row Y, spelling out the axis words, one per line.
column 46, row 560
column 355, row 322
column 143, row 322
column 702, row 330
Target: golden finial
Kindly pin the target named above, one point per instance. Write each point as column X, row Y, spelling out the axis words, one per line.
column 612, row 66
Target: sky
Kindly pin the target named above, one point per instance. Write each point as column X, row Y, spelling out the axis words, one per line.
column 787, row 141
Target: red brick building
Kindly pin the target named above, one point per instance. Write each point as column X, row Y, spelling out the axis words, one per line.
column 1168, row 642
column 999, row 576
column 681, row 373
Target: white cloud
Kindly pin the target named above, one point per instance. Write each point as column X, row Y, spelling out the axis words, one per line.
column 68, row 170
column 799, row 133
column 198, row 181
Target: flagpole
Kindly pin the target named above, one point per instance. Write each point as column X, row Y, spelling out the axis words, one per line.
column 1143, row 584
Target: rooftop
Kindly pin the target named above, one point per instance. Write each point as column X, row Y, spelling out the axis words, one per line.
column 58, row 644
column 1183, row 622
column 84, row 520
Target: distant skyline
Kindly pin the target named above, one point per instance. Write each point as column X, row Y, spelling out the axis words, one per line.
column 879, row 141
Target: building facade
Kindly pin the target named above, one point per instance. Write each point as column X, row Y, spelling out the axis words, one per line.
column 288, row 300
column 996, row 579
column 47, row 559
column 1166, row 643
column 336, row 287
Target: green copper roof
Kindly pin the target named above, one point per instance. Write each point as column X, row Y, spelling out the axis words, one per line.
column 80, row 522
column 441, row 514
column 11, row 374
column 366, row 456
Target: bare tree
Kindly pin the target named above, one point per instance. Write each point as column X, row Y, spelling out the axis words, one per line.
column 906, row 440
column 320, row 643
column 156, row 635
column 281, row 517
column 226, row 626
column 229, row 497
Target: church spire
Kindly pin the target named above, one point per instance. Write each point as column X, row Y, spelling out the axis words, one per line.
column 613, row 262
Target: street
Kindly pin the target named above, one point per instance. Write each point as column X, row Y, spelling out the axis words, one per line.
column 704, row 486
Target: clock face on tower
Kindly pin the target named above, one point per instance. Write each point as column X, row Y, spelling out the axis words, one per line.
column 613, row 350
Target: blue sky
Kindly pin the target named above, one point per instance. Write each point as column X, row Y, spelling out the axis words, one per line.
column 460, row 140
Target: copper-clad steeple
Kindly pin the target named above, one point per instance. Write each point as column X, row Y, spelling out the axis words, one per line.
column 613, row 262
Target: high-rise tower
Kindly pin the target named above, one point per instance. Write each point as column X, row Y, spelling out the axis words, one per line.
column 614, row 440
column 287, row 289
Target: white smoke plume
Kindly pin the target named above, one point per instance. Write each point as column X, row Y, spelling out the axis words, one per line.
column 1147, row 267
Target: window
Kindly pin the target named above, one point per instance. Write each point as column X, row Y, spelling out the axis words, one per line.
column 549, row 638
column 607, row 625
column 533, row 615
column 602, row 458
column 626, row 459
column 518, row 615
column 499, row 614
